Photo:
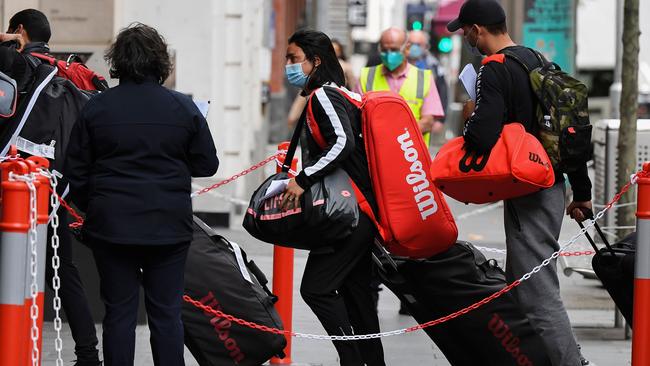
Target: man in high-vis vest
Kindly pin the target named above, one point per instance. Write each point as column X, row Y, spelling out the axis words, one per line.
column 415, row 85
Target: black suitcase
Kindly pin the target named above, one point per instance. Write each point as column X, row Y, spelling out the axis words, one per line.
column 218, row 274
column 614, row 266
column 496, row 334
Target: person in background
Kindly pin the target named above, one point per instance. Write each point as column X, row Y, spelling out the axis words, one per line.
column 421, row 57
column 397, row 75
column 336, row 280
column 130, row 161
column 350, row 79
column 532, row 223
column 30, row 28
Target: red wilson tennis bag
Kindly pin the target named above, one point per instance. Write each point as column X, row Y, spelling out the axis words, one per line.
column 328, row 210
column 516, row 166
column 413, row 218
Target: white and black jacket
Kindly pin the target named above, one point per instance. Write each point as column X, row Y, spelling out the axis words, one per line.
column 337, row 126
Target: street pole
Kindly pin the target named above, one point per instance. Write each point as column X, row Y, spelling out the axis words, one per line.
column 617, row 86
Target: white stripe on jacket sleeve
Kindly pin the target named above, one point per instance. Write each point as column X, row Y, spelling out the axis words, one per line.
column 341, row 139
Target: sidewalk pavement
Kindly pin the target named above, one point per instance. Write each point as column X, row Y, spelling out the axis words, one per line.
column 590, row 308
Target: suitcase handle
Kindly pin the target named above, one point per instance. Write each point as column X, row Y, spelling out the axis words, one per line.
column 590, row 215
column 380, row 252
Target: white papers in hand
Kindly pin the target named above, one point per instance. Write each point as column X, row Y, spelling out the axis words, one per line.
column 203, row 106
column 468, row 78
column 276, row 187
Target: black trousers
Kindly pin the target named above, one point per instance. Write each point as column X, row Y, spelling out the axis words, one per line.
column 160, row 270
column 336, row 286
column 73, row 297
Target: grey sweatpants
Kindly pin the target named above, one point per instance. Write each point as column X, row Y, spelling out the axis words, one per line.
column 532, row 226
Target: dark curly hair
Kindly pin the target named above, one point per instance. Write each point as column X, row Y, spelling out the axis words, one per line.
column 138, row 53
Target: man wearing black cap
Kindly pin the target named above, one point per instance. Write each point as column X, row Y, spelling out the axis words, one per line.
column 532, row 223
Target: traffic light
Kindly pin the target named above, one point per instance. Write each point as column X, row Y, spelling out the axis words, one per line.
column 415, row 14
column 445, row 45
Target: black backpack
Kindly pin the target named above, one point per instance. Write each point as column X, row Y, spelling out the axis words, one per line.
column 45, row 114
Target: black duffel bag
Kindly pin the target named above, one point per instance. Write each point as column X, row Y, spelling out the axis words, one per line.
column 219, row 275
column 328, row 210
column 495, row 334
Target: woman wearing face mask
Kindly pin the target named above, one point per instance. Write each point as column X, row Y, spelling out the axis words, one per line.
column 336, row 280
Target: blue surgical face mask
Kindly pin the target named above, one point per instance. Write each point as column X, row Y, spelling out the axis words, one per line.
column 415, row 52
column 295, row 75
column 392, row 59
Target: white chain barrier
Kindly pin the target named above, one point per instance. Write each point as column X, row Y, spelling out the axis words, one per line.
column 525, row 277
column 56, row 263
column 479, row 211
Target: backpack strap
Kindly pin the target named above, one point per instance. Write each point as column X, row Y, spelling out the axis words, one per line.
column 364, row 205
column 312, row 124
column 293, row 145
column 32, row 60
column 529, row 68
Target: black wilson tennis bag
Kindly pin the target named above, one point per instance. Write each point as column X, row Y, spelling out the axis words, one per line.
column 219, row 275
column 328, row 210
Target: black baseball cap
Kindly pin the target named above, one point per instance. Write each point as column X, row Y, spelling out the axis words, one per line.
column 481, row 12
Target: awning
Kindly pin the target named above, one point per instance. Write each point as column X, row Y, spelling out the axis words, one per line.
column 447, row 11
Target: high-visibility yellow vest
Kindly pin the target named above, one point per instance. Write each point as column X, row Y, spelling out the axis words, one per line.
column 415, row 88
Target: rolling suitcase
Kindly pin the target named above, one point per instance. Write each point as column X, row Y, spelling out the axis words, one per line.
column 218, row 274
column 496, row 334
column 614, row 266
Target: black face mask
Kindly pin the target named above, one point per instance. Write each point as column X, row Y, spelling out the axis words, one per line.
column 473, row 48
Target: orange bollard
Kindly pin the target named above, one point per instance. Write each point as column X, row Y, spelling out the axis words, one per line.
column 14, row 227
column 641, row 334
column 283, row 279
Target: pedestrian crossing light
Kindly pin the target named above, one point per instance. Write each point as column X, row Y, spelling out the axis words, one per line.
column 417, row 25
column 445, row 45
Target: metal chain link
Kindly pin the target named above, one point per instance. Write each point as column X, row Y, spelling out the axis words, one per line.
column 33, row 261
column 33, row 269
column 241, row 174
column 443, row 319
column 56, row 263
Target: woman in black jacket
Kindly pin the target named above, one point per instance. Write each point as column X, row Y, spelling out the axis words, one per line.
column 130, row 160
column 336, row 281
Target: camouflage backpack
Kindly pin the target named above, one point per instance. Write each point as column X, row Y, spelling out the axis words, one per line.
column 562, row 114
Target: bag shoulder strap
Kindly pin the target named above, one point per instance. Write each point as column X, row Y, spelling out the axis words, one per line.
column 295, row 140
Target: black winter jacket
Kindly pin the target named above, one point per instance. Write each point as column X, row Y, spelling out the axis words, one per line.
column 130, row 160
